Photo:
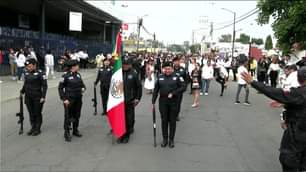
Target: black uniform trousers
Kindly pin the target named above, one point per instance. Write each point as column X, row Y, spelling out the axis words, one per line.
column 74, row 113
column 292, row 153
column 34, row 107
column 261, row 76
column 129, row 118
column 221, row 81
column 168, row 112
column 180, row 99
column 104, row 90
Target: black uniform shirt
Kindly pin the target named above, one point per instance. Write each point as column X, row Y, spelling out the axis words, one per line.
column 71, row 86
column 35, row 84
column 181, row 72
column 168, row 84
column 132, row 86
column 104, row 75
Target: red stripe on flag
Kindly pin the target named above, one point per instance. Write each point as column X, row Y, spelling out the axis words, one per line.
column 116, row 119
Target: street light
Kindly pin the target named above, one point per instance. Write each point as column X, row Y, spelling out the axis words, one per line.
column 139, row 25
column 234, row 32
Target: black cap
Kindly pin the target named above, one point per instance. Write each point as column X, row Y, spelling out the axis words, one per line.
column 167, row 64
column 30, row 61
column 302, row 74
column 71, row 63
column 127, row 60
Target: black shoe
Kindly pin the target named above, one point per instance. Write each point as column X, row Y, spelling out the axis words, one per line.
column 164, row 144
column 177, row 118
column 120, row 140
column 171, row 144
column 36, row 132
column 29, row 133
column 237, row 102
column 77, row 133
column 126, row 140
column 67, row 136
column 221, row 95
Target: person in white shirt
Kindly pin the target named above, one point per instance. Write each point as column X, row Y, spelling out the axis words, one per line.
column 49, row 64
column 20, row 60
column 273, row 71
column 222, row 78
column 83, row 58
column 241, row 83
column 207, row 76
column 291, row 80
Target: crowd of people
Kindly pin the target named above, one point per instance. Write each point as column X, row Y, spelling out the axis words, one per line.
column 45, row 60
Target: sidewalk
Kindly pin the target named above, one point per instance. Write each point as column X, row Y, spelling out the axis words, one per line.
column 10, row 89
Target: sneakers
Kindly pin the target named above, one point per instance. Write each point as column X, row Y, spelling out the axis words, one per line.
column 201, row 94
column 237, row 102
column 194, row 105
column 206, row 94
column 247, row 103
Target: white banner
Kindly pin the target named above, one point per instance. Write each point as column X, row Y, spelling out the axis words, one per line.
column 75, row 21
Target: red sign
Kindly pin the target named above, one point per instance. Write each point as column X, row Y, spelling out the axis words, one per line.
column 125, row 26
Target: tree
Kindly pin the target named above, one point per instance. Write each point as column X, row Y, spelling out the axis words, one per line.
column 226, row 38
column 268, row 43
column 244, row 39
column 289, row 24
column 257, row 41
column 176, row 48
column 195, row 48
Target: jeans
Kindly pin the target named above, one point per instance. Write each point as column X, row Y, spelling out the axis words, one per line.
column 20, row 71
column 205, row 85
column 246, row 88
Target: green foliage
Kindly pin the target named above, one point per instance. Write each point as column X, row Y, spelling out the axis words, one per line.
column 257, row 41
column 290, row 20
column 244, row 38
column 268, row 43
column 226, row 38
column 176, row 48
column 195, row 48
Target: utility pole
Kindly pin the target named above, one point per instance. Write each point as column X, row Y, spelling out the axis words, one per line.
column 234, row 35
column 139, row 24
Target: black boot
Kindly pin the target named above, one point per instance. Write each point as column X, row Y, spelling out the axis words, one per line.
column 36, row 132
column 126, row 139
column 76, row 133
column 67, row 136
column 165, row 143
column 171, row 144
column 30, row 132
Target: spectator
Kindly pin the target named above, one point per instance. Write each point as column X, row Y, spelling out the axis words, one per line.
column 83, row 56
column 49, row 64
column 20, row 60
column 253, row 66
column 195, row 84
column 242, row 83
column 12, row 62
column 222, row 78
column 207, row 76
column 273, row 71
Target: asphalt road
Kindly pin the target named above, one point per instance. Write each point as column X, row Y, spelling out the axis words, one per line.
column 218, row 136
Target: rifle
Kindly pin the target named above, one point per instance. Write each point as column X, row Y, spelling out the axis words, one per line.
column 20, row 115
column 154, row 125
column 94, row 100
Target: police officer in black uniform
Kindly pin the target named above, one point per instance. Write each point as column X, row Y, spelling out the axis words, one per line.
column 71, row 89
column 132, row 95
column 180, row 72
column 35, row 89
column 293, row 144
column 104, row 77
column 169, row 86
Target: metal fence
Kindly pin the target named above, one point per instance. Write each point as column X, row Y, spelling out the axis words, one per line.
column 19, row 38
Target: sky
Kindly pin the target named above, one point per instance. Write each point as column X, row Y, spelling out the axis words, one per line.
column 174, row 21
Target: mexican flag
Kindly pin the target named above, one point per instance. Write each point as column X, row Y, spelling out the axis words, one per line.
column 115, row 104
